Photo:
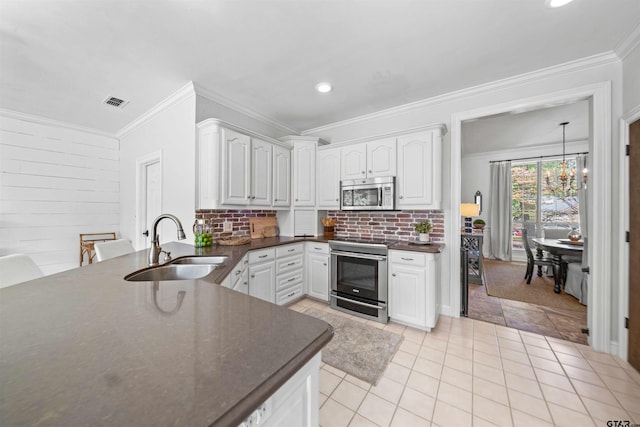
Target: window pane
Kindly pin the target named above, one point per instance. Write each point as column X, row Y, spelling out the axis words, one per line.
column 559, row 206
column 524, row 184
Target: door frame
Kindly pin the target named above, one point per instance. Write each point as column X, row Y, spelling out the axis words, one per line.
column 141, row 183
column 599, row 95
column 623, row 219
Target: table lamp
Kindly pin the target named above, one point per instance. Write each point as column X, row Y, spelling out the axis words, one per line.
column 469, row 210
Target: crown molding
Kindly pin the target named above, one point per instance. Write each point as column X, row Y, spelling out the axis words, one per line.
column 627, row 45
column 222, row 100
column 518, row 80
column 51, row 122
column 181, row 94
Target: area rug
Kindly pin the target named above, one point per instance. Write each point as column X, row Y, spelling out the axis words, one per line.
column 505, row 279
column 357, row 349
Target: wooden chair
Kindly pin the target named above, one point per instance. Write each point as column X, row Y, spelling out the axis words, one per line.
column 533, row 261
column 87, row 241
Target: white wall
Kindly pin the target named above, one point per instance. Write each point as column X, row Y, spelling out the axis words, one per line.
column 631, row 79
column 169, row 128
column 439, row 110
column 56, row 182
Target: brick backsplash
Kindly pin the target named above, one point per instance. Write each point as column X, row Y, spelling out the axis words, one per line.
column 239, row 218
column 386, row 225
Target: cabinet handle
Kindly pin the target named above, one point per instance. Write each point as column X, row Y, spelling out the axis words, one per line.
column 362, row 172
column 407, row 259
column 370, row 171
column 291, row 280
column 246, row 261
column 238, row 272
column 290, row 250
column 291, row 294
column 253, row 276
column 245, row 283
column 401, row 197
column 263, row 256
column 296, row 200
column 317, row 249
column 393, row 274
column 291, row 263
column 324, row 263
column 337, row 200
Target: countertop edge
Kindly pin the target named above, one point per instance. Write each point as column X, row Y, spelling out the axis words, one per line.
column 253, row 400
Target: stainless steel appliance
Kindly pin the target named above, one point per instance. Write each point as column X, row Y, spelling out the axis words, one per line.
column 373, row 194
column 359, row 279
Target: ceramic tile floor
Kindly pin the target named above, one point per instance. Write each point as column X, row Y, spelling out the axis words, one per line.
column 472, row 373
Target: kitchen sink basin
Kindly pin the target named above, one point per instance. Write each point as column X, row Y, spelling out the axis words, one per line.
column 200, row 260
column 171, row 272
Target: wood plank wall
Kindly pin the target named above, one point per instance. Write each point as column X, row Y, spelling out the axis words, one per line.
column 55, row 183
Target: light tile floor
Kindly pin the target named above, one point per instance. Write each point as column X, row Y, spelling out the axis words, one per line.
column 469, row 372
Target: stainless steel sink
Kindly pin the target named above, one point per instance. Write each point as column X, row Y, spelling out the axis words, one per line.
column 171, row 272
column 200, row 260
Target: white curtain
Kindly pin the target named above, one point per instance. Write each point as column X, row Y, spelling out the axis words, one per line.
column 500, row 216
column 581, row 164
column 577, row 283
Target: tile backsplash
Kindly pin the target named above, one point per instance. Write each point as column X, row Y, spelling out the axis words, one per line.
column 239, row 219
column 386, row 225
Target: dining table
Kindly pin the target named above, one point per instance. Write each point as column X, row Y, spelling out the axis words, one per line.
column 558, row 248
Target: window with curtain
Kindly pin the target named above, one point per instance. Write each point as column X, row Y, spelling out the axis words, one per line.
column 538, row 199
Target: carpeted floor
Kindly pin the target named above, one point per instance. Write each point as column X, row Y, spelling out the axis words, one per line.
column 564, row 320
column 356, row 348
column 506, row 280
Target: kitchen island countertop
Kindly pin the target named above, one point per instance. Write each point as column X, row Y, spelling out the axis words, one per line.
column 86, row 347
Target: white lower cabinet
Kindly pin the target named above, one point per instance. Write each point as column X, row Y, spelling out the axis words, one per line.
column 296, row 403
column 414, row 288
column 317, row 280
column 262, row 274
column 289, row 273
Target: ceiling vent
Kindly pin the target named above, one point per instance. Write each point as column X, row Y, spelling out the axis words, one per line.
column 115, row 102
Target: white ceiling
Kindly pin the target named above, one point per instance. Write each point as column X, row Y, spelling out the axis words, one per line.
column 61, row 59
column 526, row 129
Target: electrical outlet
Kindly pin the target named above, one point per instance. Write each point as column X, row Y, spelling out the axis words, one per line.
column 227, row 226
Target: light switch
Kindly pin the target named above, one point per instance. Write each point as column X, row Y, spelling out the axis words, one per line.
column 227, row 226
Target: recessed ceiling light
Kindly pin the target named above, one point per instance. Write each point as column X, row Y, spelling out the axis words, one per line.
column 324, row 87
column 557, row 3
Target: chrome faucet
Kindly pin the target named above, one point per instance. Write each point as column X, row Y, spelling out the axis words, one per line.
column 154, row 251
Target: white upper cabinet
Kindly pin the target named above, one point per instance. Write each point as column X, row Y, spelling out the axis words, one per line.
column 261, row 165
column 304, row 172
column 369, row 160
column 281, row 176
column 237, row 167
column 381, row 158
column 328, row 182
column 354, row 162
column 419, row 180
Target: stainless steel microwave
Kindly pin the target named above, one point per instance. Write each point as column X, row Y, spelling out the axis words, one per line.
column 373, row 194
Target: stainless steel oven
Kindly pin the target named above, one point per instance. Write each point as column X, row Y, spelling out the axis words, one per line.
column 359, row 279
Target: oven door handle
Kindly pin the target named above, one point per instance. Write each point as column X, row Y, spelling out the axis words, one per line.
column 364, row 304
column 359, row 255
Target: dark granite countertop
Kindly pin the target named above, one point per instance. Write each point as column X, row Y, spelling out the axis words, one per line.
column 85, row 347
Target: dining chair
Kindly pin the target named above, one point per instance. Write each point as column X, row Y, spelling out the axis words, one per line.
column 17, row 268
column 112, row 249
column 533, row 261
column 556, row 232
column 577, row 281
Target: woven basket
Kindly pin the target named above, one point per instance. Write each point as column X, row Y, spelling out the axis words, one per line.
column 234, row 241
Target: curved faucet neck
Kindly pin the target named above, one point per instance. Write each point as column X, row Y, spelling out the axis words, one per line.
column 154, row 251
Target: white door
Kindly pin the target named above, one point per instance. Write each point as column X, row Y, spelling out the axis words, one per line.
column 318, row 276
column 407, row 295
column 281, row 176
column 262, row 281
column 418, row 178
column 304, row 171
column 236, row 171
column 329, row 179
column 381, row 158
column 261, row 165
column 149, row 195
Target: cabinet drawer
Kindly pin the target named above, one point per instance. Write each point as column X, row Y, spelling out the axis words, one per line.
column 286, row 250
column 318, row 248
column 237, row 271
column 288, row 280
column 261, row 255
column 288, row 295
column 288, row 264
column 408, row 258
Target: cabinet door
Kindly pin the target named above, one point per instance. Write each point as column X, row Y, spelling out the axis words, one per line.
column 328, row 179
column 304, row 172
column 236, row 173
column 262, row 281
column 381, row 158
column 242, row 284
column 281, row 176
column 261, row 165
column 407, row 295
column 318, row 276
column 354, row 162
column 418, row 180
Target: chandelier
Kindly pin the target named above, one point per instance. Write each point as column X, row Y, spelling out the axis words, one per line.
column 566, row 180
